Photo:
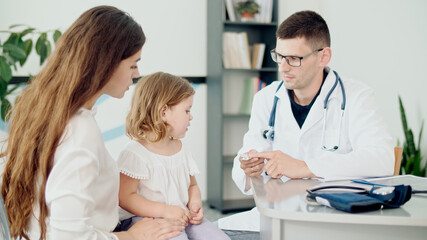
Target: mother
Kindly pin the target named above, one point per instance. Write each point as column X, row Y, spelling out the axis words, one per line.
column 59, row 181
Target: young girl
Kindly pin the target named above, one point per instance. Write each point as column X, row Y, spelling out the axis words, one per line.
column 157, row 170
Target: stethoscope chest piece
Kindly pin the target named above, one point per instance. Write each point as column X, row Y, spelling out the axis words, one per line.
column 268, row 133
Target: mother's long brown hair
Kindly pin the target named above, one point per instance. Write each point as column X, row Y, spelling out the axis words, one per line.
column 84, row 59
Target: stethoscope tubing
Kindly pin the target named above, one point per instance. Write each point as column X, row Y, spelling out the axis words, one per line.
column 337, row 79
column 269, row 133
column 272, row 119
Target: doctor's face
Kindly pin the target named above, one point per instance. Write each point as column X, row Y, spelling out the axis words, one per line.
column 300, row 78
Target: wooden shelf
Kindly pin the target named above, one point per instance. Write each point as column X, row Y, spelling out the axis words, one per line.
column 249, row 24
column 221, row 188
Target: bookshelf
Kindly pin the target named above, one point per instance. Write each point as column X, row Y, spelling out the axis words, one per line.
column 226, row 125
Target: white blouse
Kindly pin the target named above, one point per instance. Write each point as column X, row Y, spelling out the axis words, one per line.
column 164, row 179
column 82, row 188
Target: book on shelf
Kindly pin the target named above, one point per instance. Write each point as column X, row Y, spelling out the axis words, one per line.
column 230, row 10
column 244, row 49
column 265, row 11
column 236, row 53
column 250, row 87
column 226, row 56
column 228, row 52
column 258, row 50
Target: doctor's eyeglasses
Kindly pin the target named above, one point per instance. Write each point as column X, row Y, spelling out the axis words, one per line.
column 293, row 61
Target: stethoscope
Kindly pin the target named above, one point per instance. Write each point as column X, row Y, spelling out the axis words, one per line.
column 269, row 133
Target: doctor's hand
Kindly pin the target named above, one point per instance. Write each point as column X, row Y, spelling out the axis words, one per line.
column 280, row 164
column 252, row 167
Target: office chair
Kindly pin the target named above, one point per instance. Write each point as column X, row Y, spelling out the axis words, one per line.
column 398, row 151
column 4, row 224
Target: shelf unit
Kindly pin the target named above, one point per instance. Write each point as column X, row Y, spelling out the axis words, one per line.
column 226, row 128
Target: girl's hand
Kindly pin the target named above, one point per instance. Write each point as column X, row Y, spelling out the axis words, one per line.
column 175, row 212
column 196, row 212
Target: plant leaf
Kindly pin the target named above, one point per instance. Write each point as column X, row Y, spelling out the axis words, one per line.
column 16, row 25
column 27, row 46
column 56, row 35
column 412, row 158
column 409, row 136
column 15, row 52
column 43, row 47
column 26, row 31
column 405, row 154
column 403, row 116
column 5, row 71
column 40, row 42
column 409, row 165
column 411, row 143
column 420, row 134
column 45, row 52
column 3, row 88
column 11, row 54
column 5, row 107
column 13, row 39
column 417, row 164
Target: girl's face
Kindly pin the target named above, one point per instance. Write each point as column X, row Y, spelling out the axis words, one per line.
column 122, row 77
column 178, row 117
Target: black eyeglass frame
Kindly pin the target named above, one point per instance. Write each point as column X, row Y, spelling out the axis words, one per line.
column 275, row 55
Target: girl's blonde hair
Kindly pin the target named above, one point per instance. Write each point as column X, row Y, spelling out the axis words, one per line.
column 152, row 93
column 83, row 61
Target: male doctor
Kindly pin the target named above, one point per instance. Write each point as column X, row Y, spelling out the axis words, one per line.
column 348, row 138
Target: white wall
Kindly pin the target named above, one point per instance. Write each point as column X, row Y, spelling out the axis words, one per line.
column 175, row 30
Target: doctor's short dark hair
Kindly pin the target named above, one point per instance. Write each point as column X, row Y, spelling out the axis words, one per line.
column 308, row 25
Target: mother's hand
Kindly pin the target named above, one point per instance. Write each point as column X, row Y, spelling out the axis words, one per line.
column 162, row 229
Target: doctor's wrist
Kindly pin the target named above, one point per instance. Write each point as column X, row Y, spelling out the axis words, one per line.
column 305, row 171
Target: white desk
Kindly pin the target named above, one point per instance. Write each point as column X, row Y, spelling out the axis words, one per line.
column 285, row 214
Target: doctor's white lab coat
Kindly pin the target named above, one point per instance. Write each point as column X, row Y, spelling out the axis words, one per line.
column 365, row 145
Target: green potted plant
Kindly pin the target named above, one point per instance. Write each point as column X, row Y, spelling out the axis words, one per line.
column 411, row 158
column 247, row 9
column 16, row 49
